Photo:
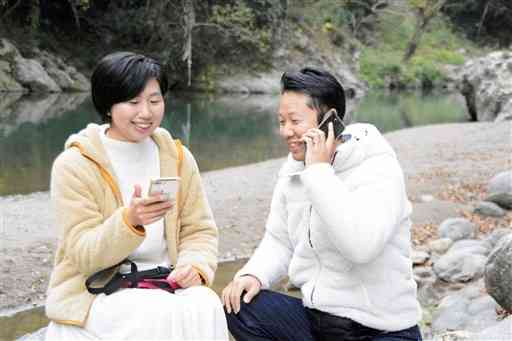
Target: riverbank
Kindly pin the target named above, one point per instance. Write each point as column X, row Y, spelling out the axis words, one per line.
column 447, row 167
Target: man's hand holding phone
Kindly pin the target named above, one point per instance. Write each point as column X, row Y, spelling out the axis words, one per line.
column 145, row 211
column 319, row 149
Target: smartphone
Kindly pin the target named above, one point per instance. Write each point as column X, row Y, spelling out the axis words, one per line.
column 339, row 127
column 167, row 187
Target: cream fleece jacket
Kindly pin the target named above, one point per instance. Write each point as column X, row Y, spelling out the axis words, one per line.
column 93, row 232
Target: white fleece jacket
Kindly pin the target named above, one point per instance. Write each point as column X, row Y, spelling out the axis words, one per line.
column 342, row 234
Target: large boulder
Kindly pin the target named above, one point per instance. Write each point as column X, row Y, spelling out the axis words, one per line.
column 457, row 228
column 8, row 52
column 500, row 189
column 487, row 87
column 468, row 309
column 67, row 77
column 460, row 265
column 43, row 73
column 498, row 273
column 7, row 80
column 489, row 209
column 32, row 75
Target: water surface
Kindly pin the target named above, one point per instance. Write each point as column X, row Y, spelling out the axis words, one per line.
column 221, row 131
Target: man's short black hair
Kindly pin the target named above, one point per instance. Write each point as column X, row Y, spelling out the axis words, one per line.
column 121, row 76
column 320, row 86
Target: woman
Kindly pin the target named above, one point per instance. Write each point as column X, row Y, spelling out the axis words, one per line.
column 99, row 189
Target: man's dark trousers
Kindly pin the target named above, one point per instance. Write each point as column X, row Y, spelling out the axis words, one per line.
column 275, row 316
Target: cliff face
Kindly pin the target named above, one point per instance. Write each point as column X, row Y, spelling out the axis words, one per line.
column 44, row 72
column 486, row 85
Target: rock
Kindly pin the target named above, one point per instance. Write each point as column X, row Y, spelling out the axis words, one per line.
column 423, row 275
column 483, row 312
column 482, row 303
column 457, row 228
column 490, row 209
column 31, row 74
column 469, row 309
column 458, row 335
column 500, row 189
column 486, row 85
column 419, row 257
column 44, row 73
column 473, row 246
column 7, row 80
column 262, row 83
column 460, row 266
column 506, row 114
column 427, row 293
column 451, row 315
column 494, row 237
column 498, row 273
column 8, row 52
column 67, row 77
column 441, row 245
column 500, row 331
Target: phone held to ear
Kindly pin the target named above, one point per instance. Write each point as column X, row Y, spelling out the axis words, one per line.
column 167, row 187
column 337, row 122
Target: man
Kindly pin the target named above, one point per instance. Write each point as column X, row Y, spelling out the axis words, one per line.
column 338, row 226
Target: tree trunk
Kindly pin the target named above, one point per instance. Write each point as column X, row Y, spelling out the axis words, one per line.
column 190, row 21
column 74, row 11
column 482, row 19
column 421, row 23
column 9, row 10
column 280, row 26
column 423, row 18
column 34, row 15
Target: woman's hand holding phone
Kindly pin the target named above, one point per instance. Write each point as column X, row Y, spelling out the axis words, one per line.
column 145, row 211
column 319, row 149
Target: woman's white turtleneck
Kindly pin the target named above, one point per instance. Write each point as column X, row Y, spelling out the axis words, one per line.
column 138, row 163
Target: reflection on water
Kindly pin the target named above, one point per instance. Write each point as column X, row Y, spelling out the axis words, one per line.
column 221, row 131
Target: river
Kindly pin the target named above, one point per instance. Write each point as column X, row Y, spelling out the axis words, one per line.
column 221, row 130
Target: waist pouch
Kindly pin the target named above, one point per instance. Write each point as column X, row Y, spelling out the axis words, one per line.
column 147, row 279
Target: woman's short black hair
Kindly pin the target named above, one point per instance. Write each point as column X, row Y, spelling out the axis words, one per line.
column 320, row 86
column 121, row 76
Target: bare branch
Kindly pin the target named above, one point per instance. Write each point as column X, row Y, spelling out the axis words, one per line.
column 12, row 8
column 482, row 19
column 75, row 13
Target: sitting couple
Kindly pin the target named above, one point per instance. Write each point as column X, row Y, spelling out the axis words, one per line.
column 338, row 226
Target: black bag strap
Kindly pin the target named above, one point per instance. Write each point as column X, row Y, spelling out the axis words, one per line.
column 119, row 279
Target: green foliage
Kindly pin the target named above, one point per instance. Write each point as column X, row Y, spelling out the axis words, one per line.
column 315, row 14
column 239, row 20
column 424, row 70
column 375, row 65
column 440, row 45
column 489, row 22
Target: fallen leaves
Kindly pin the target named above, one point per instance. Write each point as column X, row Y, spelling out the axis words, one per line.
column 487, row 224
column 463, row 192
column 422, row 234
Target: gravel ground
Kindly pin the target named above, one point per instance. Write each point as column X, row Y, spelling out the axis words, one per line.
column 447, row 167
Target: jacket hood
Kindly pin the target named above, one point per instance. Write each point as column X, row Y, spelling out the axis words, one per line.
column 365, row 142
